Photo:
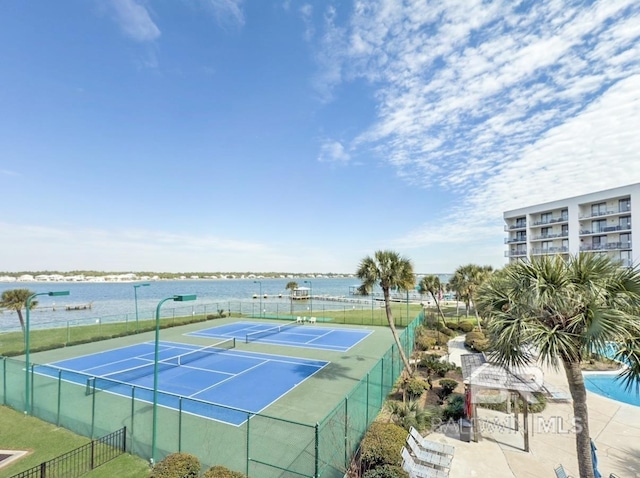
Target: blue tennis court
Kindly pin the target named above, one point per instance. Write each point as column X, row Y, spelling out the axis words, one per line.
column 290, row 334
column 201, row 381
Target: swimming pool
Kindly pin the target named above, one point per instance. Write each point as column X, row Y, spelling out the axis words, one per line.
column 608, row 385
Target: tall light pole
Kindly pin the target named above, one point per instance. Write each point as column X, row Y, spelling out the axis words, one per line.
column 258, row 282
column 176, row 298
column 135, row 297
column 310, row 296
column 27, row 382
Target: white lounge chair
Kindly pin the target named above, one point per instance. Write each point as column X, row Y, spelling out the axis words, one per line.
column 417, row 470
column 430, row 445
column 299, row 320
column 428, row 457
column 312, row 320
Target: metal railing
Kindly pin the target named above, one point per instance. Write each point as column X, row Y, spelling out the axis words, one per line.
column 511, row 240
column 606, row 229
column 515, row 253
column 549, row 236
column 549, row 250
column 608, row 212
column 606, row 247
column 553, row 220
column 81, row 460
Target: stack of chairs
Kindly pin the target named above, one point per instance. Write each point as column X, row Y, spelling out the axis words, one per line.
column 422, row 458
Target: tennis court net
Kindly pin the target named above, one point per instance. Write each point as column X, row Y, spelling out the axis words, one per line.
column 273, row 330
column 127, row 376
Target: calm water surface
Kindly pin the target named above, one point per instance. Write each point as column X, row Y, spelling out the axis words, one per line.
column 113, row 300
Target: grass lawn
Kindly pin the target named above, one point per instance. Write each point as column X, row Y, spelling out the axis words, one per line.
column 46, row 441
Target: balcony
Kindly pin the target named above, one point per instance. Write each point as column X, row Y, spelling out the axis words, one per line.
column 608, row 212
column 514, row 253
column 542, row 237
column 553, row 220
column 549, row 250
column 513, row 227
column 609, row 246
column 604, row 230
column 512, row 240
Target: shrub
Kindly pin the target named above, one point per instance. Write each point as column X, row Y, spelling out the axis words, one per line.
column 454, row 410
column 222, row 472
column 425, row 343
column 381, row 445
column 451, row 324
column 416, row 387
column 440, row 337
column 447, row 386
column 465, row 326
column 211, row 316
column 433, row 365
column 476, row 341
column 177, row 465
column 386, row 471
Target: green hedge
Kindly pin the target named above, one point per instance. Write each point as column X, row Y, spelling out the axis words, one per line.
column 381, row 445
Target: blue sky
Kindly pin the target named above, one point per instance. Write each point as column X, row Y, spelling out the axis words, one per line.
column 227, row 135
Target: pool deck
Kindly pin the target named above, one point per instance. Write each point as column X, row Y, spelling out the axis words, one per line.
column 614, row 427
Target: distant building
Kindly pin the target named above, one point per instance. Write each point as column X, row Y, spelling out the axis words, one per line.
column 599, row 223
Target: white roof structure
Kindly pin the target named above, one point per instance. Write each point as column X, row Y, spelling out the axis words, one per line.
column 476, row 371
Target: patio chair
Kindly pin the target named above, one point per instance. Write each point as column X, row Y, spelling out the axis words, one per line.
column 299, row 320
column 431, row 445
column 428, row 457
column 417, row 470
column 312, row 320
column 560, row 472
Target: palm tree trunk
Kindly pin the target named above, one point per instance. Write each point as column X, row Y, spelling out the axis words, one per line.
column 581, row 416
column 394, row 332
column 21, row 320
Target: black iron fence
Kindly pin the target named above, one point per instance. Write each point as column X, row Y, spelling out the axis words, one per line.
column 81, row 460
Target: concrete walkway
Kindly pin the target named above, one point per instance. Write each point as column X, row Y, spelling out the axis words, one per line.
column 614, row 427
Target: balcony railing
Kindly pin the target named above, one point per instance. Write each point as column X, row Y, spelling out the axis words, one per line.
column 549, row 236
column 513, row 253
column 511, row 240
column 553, row 220
column 608, row 212
column 603, row 230
column 549, row 250
column 609, row 246
column 511, row 227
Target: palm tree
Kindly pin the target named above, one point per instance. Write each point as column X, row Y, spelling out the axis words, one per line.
column 466, row 281
column 431, row 284
column 564, row 310
column 16, row 299
column 290, row 287
column 390, row 271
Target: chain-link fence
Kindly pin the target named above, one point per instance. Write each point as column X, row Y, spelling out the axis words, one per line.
column 262, row 446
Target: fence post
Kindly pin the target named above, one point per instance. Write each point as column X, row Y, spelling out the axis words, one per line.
column 43, row 469
column 180, row 425
column 248, row 421
column 4, row 380
column 93, row 409
column 317, row 467
column 124, row 439
column 92, row 464
column 346, row 432
column 59, row 396
column 366, row 402
column 133, row 409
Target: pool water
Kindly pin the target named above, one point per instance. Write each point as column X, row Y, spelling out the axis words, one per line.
column 608, row 385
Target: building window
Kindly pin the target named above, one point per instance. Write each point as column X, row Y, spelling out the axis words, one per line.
column 565, row 229
column 521, row 236
column 598, row 226
column 545, row 246
column 545, row 232
column 545, row 218
column 624, row 205
column 599, row 242
column 599, row 209
column 565, row 245
column 564, row 214
column 625, row 241
column 625, row 223
column 521, row 222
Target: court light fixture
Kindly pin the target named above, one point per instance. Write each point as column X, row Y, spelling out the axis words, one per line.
column 310, row 296
column 259, row 282
column 175, row 298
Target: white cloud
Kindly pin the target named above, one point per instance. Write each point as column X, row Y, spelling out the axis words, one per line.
column 226, row 11
column 134, row 20
column 501, row 103
column 333, row 152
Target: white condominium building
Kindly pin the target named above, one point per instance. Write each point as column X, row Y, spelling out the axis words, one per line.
column 599, row 223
